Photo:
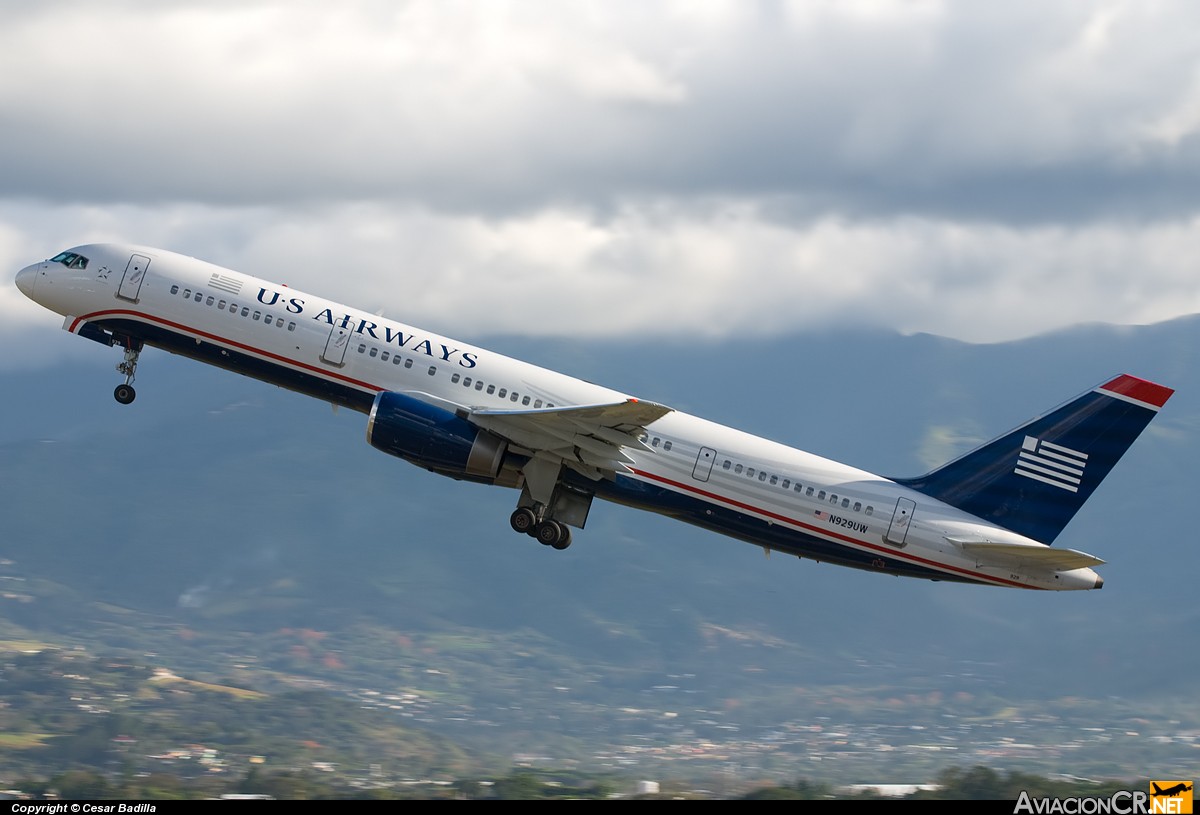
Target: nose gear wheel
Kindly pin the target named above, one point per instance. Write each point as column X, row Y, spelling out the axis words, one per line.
column 128, row 366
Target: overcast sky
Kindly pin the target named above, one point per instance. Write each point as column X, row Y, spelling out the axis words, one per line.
column 984, row 171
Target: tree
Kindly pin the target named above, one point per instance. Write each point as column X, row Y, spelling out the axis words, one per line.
column 80, row 785
column 521, row 786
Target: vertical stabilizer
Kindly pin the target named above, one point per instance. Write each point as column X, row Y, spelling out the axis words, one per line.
column 1034, row 479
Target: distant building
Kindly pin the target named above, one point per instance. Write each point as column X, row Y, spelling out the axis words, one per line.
column 889, row 790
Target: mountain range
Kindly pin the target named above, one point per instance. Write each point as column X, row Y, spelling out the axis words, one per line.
column 219, row 515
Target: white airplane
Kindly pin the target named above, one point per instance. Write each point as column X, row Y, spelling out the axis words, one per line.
column 987, row 517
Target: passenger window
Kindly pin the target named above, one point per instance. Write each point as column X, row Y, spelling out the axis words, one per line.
column 455, row 377
column 208, row 301
column 291, row 326
column 396, row 360
column 858, row 506
column 762, row 476
column 750, row 472
column 491, row 389
column 279, row 322
column 407, row 363
column 187, row 294
column 525, row 400
column 245, row 311
column 199, row 296
column 870, row 510
column 821, row 495
column 738, row 469
column 845, row 503
column 809, row 491
column 432, row 370
column 775, row 480
column 374, row 353
column 478, row 384
column 221, row 305
column 362, row 348
column 666, row 444
column 384, row 356
column 655, row 442
column 233, row 308
column 513, row 396
column 799, row 487
column 467, row 382
column 257, row 314
column 175, row 289
column 537, row 403
column 503, row 392
column 833, row 499
column 726, row 465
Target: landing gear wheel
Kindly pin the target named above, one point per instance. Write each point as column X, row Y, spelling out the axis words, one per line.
column 125, row 393
column 553, row 533
column 565, row 540
column 523, row 520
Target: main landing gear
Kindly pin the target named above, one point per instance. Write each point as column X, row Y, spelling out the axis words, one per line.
column 545, row 500
column 548, row 531
column 125, row 393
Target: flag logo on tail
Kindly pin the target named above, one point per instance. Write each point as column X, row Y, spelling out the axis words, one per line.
column 1051, row 464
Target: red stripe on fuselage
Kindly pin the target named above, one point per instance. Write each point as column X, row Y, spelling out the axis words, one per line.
column 97, row 315
column 892, row 553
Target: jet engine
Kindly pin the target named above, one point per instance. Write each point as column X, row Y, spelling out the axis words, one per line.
column 438, row 440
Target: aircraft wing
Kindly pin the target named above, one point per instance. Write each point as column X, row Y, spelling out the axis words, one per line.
column 1049, row 557
column 588, row 438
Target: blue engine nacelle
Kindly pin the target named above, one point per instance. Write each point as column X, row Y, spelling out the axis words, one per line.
column 434, row 438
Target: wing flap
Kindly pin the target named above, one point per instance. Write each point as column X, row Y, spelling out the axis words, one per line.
column 589, row 438
column 1048, row 557
column 630, row 413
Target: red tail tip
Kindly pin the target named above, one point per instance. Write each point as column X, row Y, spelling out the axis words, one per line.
column 1140, row 390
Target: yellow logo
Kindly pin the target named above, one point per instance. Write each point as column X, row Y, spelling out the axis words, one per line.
column 1170, row 797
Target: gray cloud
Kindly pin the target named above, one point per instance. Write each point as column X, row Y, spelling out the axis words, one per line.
column 983, row 171
column 1005, row 112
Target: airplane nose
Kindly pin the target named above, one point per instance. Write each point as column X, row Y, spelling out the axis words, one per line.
column 27, row 280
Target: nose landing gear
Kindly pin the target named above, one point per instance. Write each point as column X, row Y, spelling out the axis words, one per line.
column 128, row 366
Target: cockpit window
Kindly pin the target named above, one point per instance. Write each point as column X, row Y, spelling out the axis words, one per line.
column 70, row 260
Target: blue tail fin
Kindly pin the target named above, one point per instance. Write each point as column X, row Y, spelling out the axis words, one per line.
column 1034, row 479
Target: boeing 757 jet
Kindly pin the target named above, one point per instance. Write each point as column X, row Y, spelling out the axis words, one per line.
column 988, row 517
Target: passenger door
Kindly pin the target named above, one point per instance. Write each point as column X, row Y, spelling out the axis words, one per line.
column 335, row 346
column 131, row 281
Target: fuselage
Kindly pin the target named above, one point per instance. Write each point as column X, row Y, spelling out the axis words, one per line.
column 701, row 472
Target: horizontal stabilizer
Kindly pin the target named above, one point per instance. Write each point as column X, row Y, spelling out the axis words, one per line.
column 1005, row 554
